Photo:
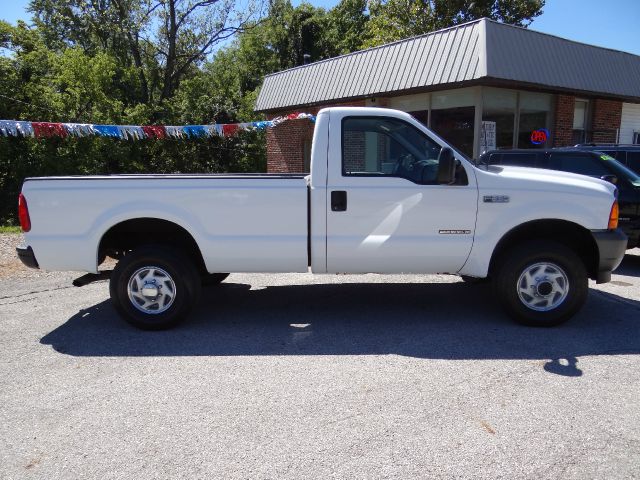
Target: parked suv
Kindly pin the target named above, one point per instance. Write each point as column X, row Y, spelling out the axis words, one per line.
column 628, row 155
column 586, row 162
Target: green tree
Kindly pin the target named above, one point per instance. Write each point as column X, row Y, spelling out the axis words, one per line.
column 164, row 40
column 393, row 20
column 347, row 26
column 231, row 81
column 67, row 85
column 296, row 32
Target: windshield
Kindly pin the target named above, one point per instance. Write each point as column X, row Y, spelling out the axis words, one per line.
column 620, row 170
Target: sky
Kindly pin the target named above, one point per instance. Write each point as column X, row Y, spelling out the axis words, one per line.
column 613, row 24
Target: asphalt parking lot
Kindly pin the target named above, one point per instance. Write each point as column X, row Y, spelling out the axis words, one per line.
column 300, row 376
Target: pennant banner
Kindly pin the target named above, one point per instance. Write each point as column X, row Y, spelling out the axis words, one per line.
column 13, row 128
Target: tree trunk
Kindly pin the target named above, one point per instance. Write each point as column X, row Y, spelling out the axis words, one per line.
column 172, row 35
column 137, row 60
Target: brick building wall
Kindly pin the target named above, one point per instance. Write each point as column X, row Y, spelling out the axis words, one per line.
column 607, row 116
column 563, row 121
column 286, row 141
column 353, row 153
column 286, row 144
column 602, row 127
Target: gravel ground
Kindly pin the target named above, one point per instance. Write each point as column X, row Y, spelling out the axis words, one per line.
column 300, row 376
column 11, row 267
column 9, row 263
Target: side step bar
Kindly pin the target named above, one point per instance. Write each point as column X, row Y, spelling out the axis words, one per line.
column 91, row 277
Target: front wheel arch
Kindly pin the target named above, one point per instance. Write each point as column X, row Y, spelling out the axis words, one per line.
column 569, row 234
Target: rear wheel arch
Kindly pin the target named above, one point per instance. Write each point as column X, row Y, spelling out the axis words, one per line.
column 133, row 233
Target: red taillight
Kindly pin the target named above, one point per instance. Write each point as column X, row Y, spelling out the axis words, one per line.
column 23, row 214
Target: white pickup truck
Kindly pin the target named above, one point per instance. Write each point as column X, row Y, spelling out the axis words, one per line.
column 385, row 195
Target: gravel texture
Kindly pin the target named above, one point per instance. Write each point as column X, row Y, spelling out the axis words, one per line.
column 300, row 376
column 10, row 266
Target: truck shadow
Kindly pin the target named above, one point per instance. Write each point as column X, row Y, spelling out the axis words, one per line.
column 630, row 266
column 437, row 321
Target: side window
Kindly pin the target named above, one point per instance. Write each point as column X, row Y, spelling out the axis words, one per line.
column 582, row 163
column 519, row 159
column 382, row 146
column 633, row 161
column 618, row 155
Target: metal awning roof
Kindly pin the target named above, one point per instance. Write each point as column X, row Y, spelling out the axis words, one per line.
column 464, row 54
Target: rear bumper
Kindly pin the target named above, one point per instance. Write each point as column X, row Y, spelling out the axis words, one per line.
column 612, row 245
column 26, row 256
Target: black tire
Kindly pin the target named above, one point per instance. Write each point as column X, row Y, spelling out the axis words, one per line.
column 172, row 271
column 556, row 286
column 209, row 279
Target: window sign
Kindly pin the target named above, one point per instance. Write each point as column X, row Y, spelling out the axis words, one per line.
column 535, row 111
column 499, row 106
column 540, row 136
column 488, row 136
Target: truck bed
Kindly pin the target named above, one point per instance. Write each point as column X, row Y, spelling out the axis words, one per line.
column 242, row 222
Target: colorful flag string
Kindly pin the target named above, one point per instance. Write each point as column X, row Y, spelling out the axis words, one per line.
column 14, row 128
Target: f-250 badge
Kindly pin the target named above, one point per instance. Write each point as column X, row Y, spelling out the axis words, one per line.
column 495, row 199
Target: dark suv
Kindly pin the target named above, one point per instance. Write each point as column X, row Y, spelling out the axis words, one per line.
column 586, row 162
column 628, row 155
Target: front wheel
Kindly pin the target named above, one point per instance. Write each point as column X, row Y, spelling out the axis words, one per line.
column 154, row 287
column 541, row 283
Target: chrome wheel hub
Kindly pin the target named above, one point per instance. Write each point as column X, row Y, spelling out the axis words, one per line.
column 151, row 290
column 543, row 286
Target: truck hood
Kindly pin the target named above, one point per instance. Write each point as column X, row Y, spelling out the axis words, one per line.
column 544, row 180
column 534, row 193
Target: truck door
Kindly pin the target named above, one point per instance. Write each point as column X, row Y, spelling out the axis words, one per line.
column 386, row 211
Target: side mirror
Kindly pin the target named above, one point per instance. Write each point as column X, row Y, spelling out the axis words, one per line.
column 446, row 166
column 610, row 178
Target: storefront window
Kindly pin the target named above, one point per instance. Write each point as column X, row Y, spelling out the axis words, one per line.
column 510, row 118
column 455, row 125
column 422, row 116
column 535, row 111
column 498, row 118
column 452, row 117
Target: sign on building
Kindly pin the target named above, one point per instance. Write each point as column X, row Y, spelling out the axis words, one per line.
column 488, row 136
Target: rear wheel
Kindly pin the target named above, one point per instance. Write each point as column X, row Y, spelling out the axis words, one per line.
column 154, row 287
column 541, row 283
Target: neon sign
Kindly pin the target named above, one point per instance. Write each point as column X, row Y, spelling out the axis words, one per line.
column 539, row 136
